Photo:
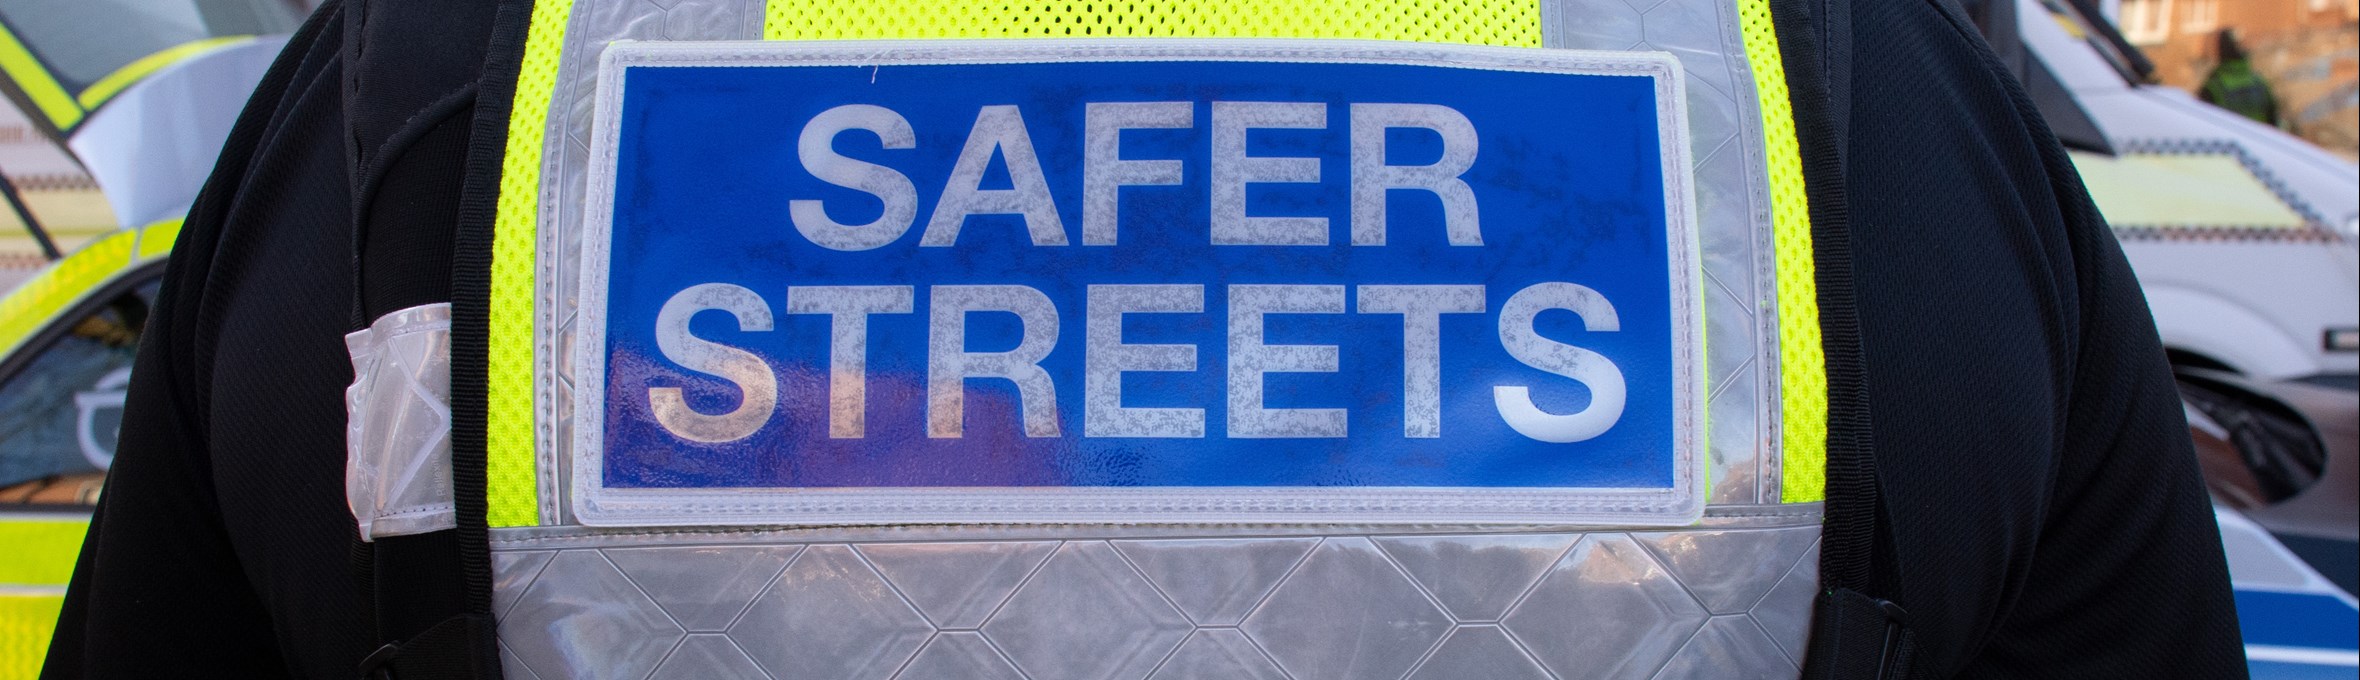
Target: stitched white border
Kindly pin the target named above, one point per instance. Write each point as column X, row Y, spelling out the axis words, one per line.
column 1678, row 505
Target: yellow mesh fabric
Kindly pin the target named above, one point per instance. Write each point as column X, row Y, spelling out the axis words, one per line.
column 510, row 491
column 1512, row 23
column 1802, row 368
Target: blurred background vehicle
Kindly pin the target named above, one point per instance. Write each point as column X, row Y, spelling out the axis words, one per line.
column 2243, row 237
column 114, row 106
column 2284, row 455
column 117, row 111
column 2242, row 234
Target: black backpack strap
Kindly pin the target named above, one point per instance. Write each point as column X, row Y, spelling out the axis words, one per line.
column 459, row 647
column 1855, row 633
column 426, row 177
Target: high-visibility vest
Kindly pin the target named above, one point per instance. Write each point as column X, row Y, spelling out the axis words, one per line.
column 1731, row 595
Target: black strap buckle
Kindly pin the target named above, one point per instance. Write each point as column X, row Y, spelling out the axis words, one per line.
column 1900, row 645
column 379, row 664
column 1856, row 636
column 459, row 647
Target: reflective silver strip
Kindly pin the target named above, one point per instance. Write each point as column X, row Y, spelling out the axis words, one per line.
column 1733, row 215
column 1730, row 598
column 397, row 433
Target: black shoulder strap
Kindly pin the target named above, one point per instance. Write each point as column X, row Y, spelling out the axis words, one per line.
column 433, row 591
column 1855, row 633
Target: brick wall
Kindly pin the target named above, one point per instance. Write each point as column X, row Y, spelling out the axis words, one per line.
column 2309, row 50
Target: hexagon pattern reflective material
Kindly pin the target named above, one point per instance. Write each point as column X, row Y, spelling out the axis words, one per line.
column 1721, row 601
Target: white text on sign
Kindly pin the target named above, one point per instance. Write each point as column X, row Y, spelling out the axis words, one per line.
column 1000, row 131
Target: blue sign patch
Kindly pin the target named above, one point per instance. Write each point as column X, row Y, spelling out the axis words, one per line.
column 1138, row 281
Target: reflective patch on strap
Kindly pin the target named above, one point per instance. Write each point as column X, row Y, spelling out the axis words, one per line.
column 397, row 473
column 1731, row 598
column 1506, row 23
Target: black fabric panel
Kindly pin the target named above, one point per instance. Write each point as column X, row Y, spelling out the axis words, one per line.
column 416, row 583
column 1853, row 637
column 408, row 106
column 408, row 112
column 174, row 575
column 458, row 648
column 223, row 546
column 277, row 373
column 1854, row 632
column 157, row 551
column 1835, row 59
column 411, row 53
column 412, row 121
column 1852, row 507
column 2047, row 519
column 405, row 227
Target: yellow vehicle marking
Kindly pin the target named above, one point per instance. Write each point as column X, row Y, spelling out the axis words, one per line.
column 41, row 554
column 67, row 282
column 155, row 240
column 34, row 78
column 33, row 305
column 26, row 622
column 41, row 550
